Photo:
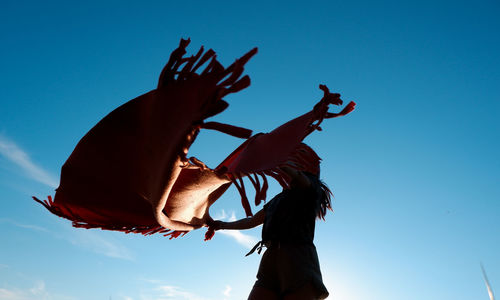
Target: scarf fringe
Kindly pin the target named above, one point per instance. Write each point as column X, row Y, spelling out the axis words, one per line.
column 235, row 131
column 78, row 222
column 226, row 81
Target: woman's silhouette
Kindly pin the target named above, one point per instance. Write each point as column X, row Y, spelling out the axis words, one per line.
column 289, row 268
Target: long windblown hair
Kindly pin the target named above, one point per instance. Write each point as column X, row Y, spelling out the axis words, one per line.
column 324, row 200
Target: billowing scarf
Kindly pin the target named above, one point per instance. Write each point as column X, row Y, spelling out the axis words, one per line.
column 131, row 172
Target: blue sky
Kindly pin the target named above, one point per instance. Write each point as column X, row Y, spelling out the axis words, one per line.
column 414, row 169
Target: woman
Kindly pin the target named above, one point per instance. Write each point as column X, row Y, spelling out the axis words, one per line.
column 289, row 268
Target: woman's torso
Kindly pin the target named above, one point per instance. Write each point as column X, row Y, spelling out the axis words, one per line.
column 290, row 216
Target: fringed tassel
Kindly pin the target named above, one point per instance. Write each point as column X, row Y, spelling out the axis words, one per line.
column 260, row 189
column 209, row 54
column 56, row 210
column 347, row 109
column 303, row 159
column 256, row 184
column 278, row 178
column 224, row 80
column 235, row 131
column 321, row 108
column 214, row 69
column 186, row 72
column 77, row 221
column 168, row 72
column 244, row 199
column 175, row 234
column 263, row 191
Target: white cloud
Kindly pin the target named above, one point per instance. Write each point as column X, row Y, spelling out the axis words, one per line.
column 18, row 156
column 11, row 295
column 243, row 239
column 37, row 292
column 248, row 241
column 232, row 218
column 22, row 225
column 96, row 242
column 221, row 215
column 169, row 292
column 178, row 293
column 227, row 291
column 91, row 240
column 162, row 290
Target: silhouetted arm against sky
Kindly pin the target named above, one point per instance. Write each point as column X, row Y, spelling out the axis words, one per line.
column 298, row 178
column 245, row 223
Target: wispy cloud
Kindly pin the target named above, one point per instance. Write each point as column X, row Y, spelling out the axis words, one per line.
column 221, row 215
column 20, row 158
column 169, row 292
column 22, row 225
column 96, row 242
column 37, row 292
column 248, row 241
column 6, row 294
column 92, row 240
column 227, row 292
column 243, row 239
column 173, row 292
column 162, row 291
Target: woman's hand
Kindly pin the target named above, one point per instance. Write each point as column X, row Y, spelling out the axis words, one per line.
column 246, row 223
column 213, row 225
column 216, row 224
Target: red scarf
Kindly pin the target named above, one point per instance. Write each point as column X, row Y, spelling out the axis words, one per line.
column 131, row 172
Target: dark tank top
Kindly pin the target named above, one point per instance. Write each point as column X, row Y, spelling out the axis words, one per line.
column 290, row 216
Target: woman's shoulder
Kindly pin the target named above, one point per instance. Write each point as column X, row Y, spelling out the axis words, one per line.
column 276, row 198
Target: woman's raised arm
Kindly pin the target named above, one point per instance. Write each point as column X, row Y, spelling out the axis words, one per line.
column 298, row 178
column 245, row 223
